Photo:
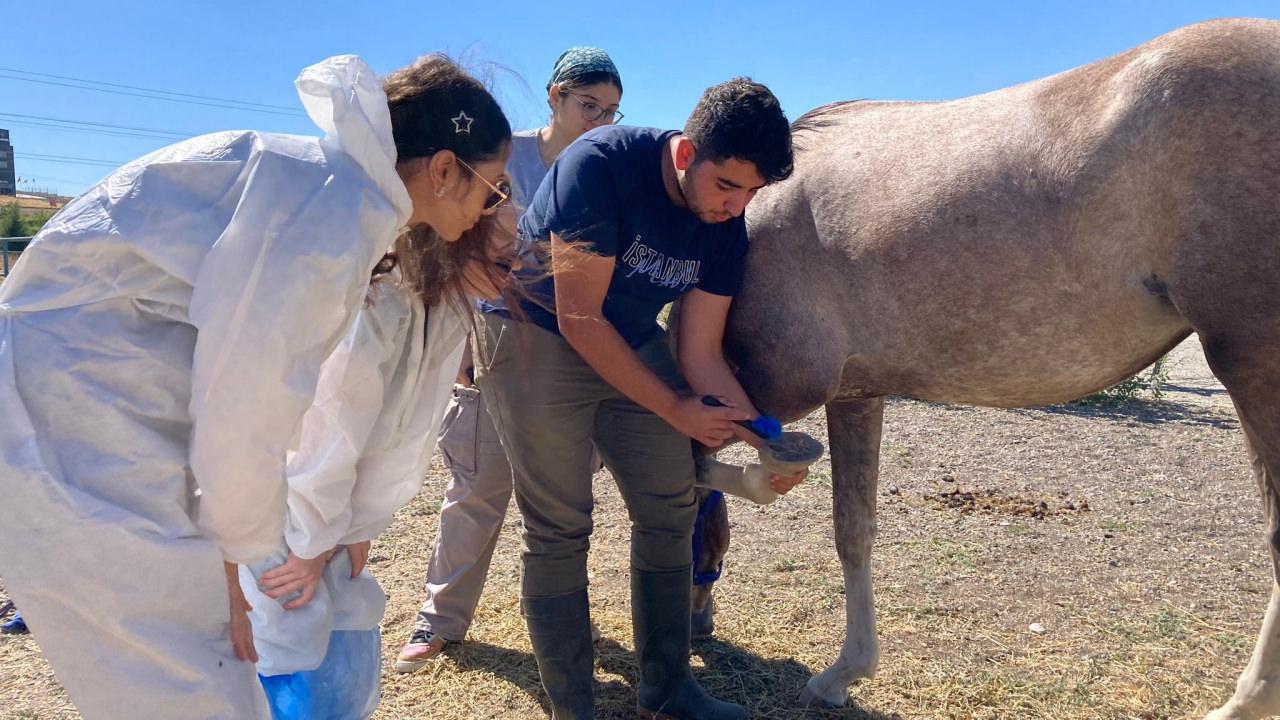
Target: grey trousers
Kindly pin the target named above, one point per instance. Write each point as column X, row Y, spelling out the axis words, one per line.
column 471, row 516
column 549, row 406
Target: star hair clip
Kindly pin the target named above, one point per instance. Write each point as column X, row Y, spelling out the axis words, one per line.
column 462, row 123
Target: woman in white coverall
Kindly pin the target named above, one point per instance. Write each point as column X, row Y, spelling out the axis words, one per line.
column 365, row 446
column 160, row 341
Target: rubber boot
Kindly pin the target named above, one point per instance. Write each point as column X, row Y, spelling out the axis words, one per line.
column 560, row 630
column 660, row 613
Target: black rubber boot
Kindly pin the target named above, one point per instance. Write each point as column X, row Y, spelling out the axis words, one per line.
column 660, row 613
column 560, row 630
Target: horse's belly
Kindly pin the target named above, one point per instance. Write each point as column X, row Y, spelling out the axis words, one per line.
column 1051, row 354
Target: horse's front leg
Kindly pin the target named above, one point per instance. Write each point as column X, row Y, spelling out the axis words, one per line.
column 853, row 430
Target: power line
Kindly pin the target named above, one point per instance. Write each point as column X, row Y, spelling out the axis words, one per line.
column 150, row 97
column 268, row 106
column 69, row 159
column 67, row 162
column 90, row 131
column 73, row 157
column 223, row 104
column 174, row 133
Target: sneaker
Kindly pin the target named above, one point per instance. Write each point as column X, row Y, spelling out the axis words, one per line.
column 423, row 645
column 595, row 632
column 15, row 626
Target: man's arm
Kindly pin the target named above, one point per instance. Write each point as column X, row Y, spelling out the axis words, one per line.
column 582, row 281
column 700, row 351
column 699, row 342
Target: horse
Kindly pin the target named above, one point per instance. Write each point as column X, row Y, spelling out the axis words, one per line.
column 1021, row 248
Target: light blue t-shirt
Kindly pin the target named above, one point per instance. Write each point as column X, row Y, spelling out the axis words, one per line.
column 525, row 167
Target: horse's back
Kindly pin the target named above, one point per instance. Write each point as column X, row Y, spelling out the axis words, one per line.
column 973, row 246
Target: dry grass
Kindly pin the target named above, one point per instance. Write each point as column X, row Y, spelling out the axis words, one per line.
column 1149, row 592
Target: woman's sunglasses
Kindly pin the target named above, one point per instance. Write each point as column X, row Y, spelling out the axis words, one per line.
column 500, row 192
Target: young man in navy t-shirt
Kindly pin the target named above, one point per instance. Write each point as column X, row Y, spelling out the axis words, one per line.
column 635, row 218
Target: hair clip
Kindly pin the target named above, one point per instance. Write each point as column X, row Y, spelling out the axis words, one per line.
column 462, row 123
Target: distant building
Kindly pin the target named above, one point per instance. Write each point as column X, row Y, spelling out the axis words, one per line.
column 8, row 178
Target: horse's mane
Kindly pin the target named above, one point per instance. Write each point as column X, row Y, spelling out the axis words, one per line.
column 822, row 116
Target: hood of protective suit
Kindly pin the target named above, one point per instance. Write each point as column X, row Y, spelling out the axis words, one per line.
column 344, row 98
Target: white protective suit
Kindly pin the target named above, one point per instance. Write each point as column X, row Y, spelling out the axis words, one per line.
column 362, row 454
column 164, row 333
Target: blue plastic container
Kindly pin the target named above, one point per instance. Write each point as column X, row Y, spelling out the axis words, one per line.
column 344, row 687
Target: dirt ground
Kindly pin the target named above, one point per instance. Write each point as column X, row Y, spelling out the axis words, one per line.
column 1128, row 536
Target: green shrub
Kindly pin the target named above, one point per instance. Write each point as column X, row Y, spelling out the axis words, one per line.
column 29, row 225
column 14, row 224
column 10, row 220
column 1132, row 388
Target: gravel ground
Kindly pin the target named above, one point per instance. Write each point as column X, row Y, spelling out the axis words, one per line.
column 1066, row 562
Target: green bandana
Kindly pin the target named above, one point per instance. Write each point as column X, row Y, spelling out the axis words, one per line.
column 578, row 61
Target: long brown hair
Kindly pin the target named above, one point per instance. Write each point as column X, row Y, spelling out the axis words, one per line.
column 425, row 99
column 436, row 270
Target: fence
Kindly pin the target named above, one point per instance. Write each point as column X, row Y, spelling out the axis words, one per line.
column 10, row 249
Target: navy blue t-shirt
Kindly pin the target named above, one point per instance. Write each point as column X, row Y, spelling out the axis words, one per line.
column 605, row 190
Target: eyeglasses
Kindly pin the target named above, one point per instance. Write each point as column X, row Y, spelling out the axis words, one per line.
column 501, row 192
column 592, row 112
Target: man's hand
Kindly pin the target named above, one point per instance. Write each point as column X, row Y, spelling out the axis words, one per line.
column 359, row 553
column 782, row 484
column 295, row 575
column 241, row 630
column 711, row 426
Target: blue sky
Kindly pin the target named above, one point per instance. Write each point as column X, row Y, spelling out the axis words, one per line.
column 809, row 53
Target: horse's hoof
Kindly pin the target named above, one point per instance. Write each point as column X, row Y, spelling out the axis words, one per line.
column 702, row 625
column 1255, row 706
column 808, row 698
column 1233, row 711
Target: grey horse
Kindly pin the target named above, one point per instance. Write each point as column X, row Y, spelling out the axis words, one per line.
column 1025, row 247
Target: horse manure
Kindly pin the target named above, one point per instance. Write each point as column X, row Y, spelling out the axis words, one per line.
column 996, row 502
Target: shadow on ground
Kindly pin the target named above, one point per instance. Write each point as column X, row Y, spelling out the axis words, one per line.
column 1141, row 410
column 768, row 688
column 1147, row 412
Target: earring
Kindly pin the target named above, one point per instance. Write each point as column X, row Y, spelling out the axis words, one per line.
column 440, row 191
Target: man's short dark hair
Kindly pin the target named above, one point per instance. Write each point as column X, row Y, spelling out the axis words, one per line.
column 743, row 120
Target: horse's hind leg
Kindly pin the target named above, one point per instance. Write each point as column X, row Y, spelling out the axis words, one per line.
column 1253, row 380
